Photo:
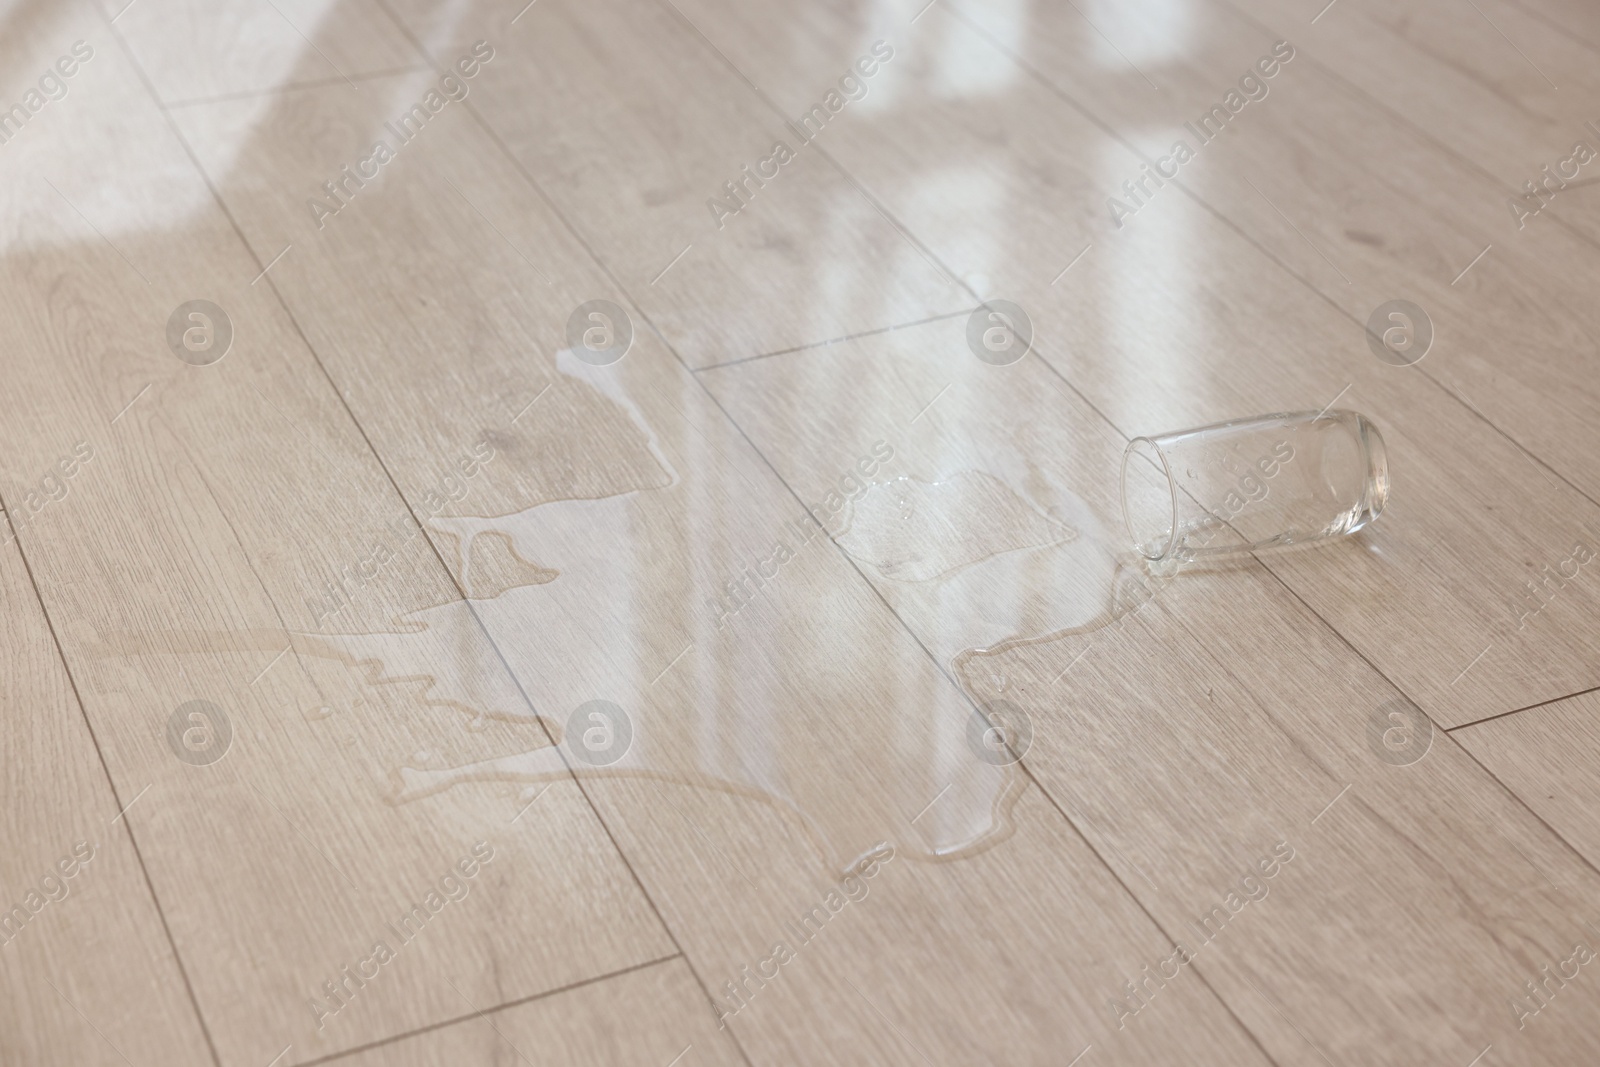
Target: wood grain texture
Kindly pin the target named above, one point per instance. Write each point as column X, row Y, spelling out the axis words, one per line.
column 477, row 695
column 812, row 723
column 1192, row 727
column 1577, row 20
column 1497, row 87
column 223, row 501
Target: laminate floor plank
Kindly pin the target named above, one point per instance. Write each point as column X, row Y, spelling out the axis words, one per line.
column 798, row 258
column 228, row 509
column 1193, row 726
column 1176, row 319
column 627, row 545
column 76, row 913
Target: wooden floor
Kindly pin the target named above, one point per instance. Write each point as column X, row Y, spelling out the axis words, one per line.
column 535, row 608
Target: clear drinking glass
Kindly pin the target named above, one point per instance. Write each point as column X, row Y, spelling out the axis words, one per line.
column 1253, row 483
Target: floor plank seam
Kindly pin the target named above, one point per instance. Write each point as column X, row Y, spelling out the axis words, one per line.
column 835, row 340
column 284, row 90
column 1515, row 797
column 1519, row 711
column 503, row 1006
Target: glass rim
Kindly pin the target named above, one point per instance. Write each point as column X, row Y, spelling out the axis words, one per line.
column 1172, row 501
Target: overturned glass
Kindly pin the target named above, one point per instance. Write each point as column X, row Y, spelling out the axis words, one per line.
column 1248, row 484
